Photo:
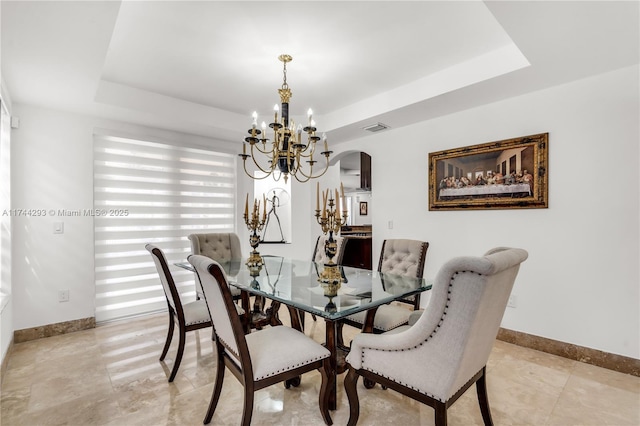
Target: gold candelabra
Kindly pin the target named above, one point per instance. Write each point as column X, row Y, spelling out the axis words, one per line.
column 255, row 224
column 330, row 218
column 287, row 150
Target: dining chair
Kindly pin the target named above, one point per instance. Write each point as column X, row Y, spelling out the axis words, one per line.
column 449, row 344
column 401, row 257
column 259, row 359
column 189, row 316
column 222, row 247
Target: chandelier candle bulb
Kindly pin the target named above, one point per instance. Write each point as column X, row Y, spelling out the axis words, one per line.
column 246, row 207
column 318, row 197
column 310, row 115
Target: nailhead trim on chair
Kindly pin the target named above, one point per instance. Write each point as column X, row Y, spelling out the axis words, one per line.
column 446, row 307
column 291, row 367
column 230, row 349
column 196, row 322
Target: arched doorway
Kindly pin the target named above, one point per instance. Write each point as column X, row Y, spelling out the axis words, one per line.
column 355, row 174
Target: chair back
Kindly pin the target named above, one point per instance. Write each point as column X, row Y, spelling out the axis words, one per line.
column 221, row 247
column 226, row 322
column 460, row 325
column 319, row 255
column 168, row 284
column 403, row 257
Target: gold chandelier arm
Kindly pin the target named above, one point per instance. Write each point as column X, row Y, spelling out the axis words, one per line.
column 263, row 170
column 306, row 153
column 311, row 175
column 257, row 148
column 266, row 173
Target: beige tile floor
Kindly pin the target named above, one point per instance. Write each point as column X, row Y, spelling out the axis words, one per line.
column 111, row 375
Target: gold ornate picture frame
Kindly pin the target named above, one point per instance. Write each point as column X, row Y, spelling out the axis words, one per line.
column 506, row 174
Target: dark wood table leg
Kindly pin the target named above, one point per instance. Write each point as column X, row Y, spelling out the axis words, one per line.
column 330, row 340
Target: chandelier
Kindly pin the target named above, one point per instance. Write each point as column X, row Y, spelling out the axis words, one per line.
column 286, row 151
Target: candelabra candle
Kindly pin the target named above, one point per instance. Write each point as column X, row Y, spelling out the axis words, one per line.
column 331, row 218
column 255, row 223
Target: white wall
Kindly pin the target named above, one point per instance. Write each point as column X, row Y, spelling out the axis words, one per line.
column 579, row 285
column 52, row 168
column 6, row 300
column 581, row 281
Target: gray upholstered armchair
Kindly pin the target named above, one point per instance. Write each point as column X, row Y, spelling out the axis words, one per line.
column 397, row 257
column 449, row 344
column 221, row 247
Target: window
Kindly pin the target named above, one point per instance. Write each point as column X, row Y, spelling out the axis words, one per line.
column 150, row 192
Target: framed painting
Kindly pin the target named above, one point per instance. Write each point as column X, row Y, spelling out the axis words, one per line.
column 506, row 174
column 364, row 209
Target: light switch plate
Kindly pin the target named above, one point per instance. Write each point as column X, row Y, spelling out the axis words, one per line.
column 58, row 227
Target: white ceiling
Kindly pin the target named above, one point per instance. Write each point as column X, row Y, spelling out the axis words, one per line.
column 202, row 67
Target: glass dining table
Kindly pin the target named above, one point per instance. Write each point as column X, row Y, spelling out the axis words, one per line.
column 294, row 283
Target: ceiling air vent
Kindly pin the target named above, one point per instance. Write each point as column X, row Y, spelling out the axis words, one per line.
column 375, row 127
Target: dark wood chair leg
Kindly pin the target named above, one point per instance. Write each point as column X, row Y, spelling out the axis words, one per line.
column 350, row 382
column 441, row 413
column 247, row 410
column 416, row 302
column 169, row 337
column 483, row 399
column 217, row 389
column 176, row 363
column 327, row 383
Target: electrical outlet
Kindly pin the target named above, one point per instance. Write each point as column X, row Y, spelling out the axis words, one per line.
column 390, row 224
column 513, row 301
column 63, row 295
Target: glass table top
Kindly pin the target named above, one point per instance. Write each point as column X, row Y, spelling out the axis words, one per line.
column 295, row 283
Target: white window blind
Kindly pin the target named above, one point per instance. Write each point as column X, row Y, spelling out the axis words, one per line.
column 149, row 192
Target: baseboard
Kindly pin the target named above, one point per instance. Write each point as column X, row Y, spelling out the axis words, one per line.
column 595, row 357
column 50, row 330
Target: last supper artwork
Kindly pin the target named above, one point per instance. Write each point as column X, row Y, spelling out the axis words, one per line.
column 511, row 173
